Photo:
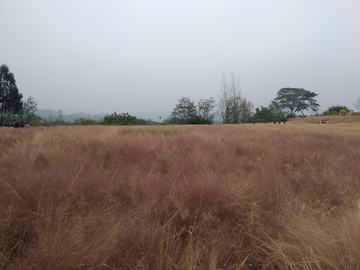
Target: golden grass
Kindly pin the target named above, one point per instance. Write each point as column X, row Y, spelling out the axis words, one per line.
column 255, row 196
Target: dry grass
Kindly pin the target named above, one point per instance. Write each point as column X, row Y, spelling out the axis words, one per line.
column 260, row 196
column 353, row 118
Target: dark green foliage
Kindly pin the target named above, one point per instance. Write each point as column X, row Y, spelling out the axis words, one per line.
column 120, row 119
column 85, row 121
column 10, row 98
column 337, row 108
column 183, row 111
column 293, row 100
column 28, row 111
column 266, row 115
column 186, row 113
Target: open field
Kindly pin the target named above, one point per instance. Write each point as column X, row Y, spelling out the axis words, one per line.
column 254, row 196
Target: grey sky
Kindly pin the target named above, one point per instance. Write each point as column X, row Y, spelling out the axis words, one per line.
column 142, row 56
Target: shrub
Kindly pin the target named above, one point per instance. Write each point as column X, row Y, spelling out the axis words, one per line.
column 120, row 119
column 85, row 121
column 343, row 112
column 338, row 108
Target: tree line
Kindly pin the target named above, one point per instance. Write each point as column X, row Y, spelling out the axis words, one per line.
column 11, row 103
column 231, row 108
column 234, row 108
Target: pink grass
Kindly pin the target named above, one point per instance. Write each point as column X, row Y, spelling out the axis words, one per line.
column 200, row 197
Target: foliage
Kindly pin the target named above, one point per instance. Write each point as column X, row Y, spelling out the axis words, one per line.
column 28, row 111
column 266, row 115
column 85, row 121
column 120, row 119
column 233, row 106
column 293, row 100
column 10, row 98
column 205, row 107
column 35, row 120
column 343, row 112
column 151, row 122
column 60, row 117
column 51, row 119
column 185, row 112
column 337, row 109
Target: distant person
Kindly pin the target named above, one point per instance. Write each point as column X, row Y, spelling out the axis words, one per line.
column 16, row 124
column 274, row 122
column 21, row 124
column 7, row 124
column 27, row 125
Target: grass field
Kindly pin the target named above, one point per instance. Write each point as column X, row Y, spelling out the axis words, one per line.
column 252, row 196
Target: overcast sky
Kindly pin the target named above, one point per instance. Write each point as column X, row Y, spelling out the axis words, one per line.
column 142, row 56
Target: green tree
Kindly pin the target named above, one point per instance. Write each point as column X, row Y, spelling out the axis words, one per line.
column 266, row 115
column 293, row 100
column 14, row 102
column 120, row 119
column 60, row 117
column 184, row 111
column 28, row 111
column 10, row 98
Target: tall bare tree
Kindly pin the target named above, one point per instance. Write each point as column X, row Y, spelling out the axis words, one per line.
column 233, row 106
column 357, row 104
column 205, row 107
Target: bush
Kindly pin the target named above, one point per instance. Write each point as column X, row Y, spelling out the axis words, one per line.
column 343, row 112
column 266, row 115
column 120, row 119
column 85, row 121
column 337, row 109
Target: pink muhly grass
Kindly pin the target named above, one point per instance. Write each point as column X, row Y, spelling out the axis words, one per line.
column 170, row 197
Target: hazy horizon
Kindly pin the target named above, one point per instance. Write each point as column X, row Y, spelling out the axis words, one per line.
column 143, row 56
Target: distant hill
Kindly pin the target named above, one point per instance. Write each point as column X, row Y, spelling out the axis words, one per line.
column 68, row 117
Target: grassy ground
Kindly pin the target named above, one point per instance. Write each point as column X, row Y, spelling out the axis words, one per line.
column 256, row 196
column 353, row 118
